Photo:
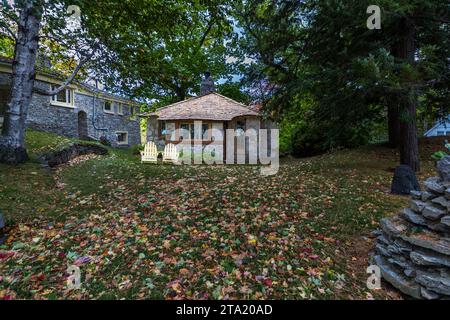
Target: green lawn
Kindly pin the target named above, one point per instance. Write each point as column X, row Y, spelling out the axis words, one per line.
column 197, row 232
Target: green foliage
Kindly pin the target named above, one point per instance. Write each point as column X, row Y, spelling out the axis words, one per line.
column 324, row 50
column 136, row 149
column 438, row 155
column 6, row 47
column 307, row 141
column 160, row 49
column 233, row 90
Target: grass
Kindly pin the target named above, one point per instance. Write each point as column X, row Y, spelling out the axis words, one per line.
column 161, row 231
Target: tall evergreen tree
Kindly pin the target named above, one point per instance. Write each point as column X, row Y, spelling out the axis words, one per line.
column 324, row 49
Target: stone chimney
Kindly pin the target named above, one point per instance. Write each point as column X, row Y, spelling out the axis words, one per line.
column 207, row 85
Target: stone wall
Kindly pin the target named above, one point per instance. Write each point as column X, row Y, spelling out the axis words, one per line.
column 44, row 116
column 413, row 247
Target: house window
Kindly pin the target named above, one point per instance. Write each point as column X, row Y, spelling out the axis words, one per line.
column 187, row 129
column 107, row 107
column 120, row 108
column 190, row 127
column 122, row 137
column 63, row 98
column 132, row 113
column 440, row 133
column 162, row 129
column 240, row 128
column 205, row 128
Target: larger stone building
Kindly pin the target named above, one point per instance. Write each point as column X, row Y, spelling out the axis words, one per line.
column 81, row 111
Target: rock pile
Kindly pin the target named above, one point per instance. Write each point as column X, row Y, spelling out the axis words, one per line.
column 56, row 158
column 413, row 248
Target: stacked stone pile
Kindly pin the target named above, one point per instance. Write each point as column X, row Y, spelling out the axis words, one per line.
column 413, row 247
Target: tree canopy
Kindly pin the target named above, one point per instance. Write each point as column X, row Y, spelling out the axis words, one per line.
column 323, row 50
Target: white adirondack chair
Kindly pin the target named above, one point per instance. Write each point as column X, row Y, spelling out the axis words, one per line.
column 150, row 153
column 170, row 153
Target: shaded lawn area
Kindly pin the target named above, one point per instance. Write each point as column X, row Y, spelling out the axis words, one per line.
column 197, row 232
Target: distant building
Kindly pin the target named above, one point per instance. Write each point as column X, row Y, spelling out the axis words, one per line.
column 441, row 128
column 204, row 121
column 82, row 111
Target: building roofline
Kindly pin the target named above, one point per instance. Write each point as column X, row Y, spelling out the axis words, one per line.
column 154, row 114
column 437, row 124
column 84, row 85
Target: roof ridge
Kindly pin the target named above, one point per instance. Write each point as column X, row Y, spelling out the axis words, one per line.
column 232, row 100
column 201, row 96
column 176, row 103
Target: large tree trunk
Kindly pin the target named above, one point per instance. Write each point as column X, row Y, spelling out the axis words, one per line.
column 393, row 126
column 12, row 144
column 409, row 149
column 404, row 51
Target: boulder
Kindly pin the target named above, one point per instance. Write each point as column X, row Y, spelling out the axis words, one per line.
column 446, row 220
column 395, row 278
column 416, row 194
column 447, row 193
column 413, row 217
column 423, row 258
column 433, row 185
column 392, row 226
column 417, row 205
column 428, row 294
column 437, row 245
column 441, row 201
column 433, row 213
column 439, row 227
column 404, row 180
column 443, row 168
column 427, row 196
column 413, row 247
column 434, row 281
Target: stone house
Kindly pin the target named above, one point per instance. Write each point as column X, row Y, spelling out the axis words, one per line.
column 204, row 122
column 81, row 111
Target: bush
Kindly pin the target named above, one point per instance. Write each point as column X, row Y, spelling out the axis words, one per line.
column 136, row 149
column 307, row 141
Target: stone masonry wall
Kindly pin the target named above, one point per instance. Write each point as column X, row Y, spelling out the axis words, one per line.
column 413, row 248
column 42, row 115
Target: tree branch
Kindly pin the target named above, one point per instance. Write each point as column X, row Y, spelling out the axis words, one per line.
column 11, row 16
column 208, row 30
column 65, row 83
column 9, row 30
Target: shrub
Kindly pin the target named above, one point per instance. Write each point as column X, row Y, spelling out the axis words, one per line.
column 136, row 149
column 307, row 141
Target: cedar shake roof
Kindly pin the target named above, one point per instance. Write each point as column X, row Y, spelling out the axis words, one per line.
column 211, row 106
